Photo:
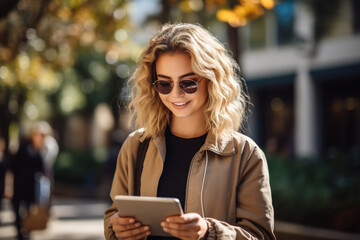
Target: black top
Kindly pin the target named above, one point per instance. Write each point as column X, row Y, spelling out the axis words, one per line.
column 179, row 154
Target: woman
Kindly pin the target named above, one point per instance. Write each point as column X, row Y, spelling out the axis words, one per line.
column 188, row 99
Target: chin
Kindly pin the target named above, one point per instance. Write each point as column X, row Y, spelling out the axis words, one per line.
column 180, row 115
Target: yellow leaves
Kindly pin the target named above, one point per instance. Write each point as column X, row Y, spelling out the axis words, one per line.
column 191, row 5
column 250, row 9
column 83, row 14
column 71, row 99
column 268, row 4
column 229, row 16
column 38, row 78
column 6, row 76
column 23, row 61
column 64, row 13
column 81, row 27
column 121, row 35
column 37, row 106
column 119, row 14
column 245, row 11
column 47, row 79
column 4, row 72
column 35, row 59
column 87, row 38
column 74, row 3
column 31, row 72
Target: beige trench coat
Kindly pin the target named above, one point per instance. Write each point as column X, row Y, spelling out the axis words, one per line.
column 228, row 184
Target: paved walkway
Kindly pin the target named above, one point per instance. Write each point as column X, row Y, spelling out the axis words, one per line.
column 71, row 219
column 74, row 219
column 292, row 231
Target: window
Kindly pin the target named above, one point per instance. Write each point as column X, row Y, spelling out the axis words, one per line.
column 258, row 33
column 285, row 22
column 356, row 14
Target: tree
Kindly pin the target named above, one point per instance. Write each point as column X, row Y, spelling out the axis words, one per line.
column 56, row 56
column 236, row 13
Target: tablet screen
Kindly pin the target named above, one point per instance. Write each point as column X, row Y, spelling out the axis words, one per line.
column 149, row 210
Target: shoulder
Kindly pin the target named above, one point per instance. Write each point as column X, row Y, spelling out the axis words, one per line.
column 134, row 138
column 242, row 139
column 137, row 134
column 129, row 148
column 246, row 145
column 253, row 163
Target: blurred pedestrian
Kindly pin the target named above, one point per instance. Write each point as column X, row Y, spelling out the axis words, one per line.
column 189, row 99
column 49, row 154
column 3, row 167
column 50, row 150
column 28, row 162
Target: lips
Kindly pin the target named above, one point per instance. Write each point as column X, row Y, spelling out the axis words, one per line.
column 179, row 105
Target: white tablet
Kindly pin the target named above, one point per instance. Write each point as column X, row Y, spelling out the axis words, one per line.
column 149, row 210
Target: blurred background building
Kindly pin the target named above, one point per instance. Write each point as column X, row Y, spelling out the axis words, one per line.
column 67, row 62
column 302, row 64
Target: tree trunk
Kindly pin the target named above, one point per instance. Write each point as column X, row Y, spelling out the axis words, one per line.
column 5, row 121
column 6, row 7
column 234, row 43
column 165, row 13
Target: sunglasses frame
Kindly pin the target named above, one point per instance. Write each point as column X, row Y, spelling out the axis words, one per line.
column 172, row 85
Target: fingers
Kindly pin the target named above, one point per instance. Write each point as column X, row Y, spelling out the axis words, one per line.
column 128, row 228
column 117, row 220
column 123, row 223
column 178, row 227
column 187, row 226
column 136, row 233
column 123, row 227
column 184, row 218
column 184, row 234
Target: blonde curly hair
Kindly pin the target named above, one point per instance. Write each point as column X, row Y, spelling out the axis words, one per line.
column 226, row 106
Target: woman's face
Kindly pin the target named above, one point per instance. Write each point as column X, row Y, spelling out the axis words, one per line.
column 174, row 67
column 37, row 140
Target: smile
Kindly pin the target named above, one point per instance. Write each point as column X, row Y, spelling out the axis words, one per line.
column 179, row 105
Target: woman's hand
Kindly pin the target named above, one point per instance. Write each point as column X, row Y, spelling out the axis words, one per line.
column 187, row 226
column 128, row 228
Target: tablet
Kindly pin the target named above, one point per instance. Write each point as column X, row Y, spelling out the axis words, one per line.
column 149, row 210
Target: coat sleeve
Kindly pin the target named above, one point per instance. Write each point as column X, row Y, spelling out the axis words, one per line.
column 254, row 210
column 123, row 181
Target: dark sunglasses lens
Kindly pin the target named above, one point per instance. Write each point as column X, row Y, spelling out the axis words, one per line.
column 163, row 87
column 188, row 86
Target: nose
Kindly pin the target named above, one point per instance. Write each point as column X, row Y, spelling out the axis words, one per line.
column 176, row 91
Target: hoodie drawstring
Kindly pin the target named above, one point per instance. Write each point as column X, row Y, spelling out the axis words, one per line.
column 203, row 184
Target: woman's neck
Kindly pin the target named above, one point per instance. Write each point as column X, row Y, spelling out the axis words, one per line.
column 187, row 127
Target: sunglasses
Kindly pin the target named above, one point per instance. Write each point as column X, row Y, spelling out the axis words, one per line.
column 188, row 86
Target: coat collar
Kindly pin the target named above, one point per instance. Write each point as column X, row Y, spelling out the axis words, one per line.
column 225, row 147
column 218, row 146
